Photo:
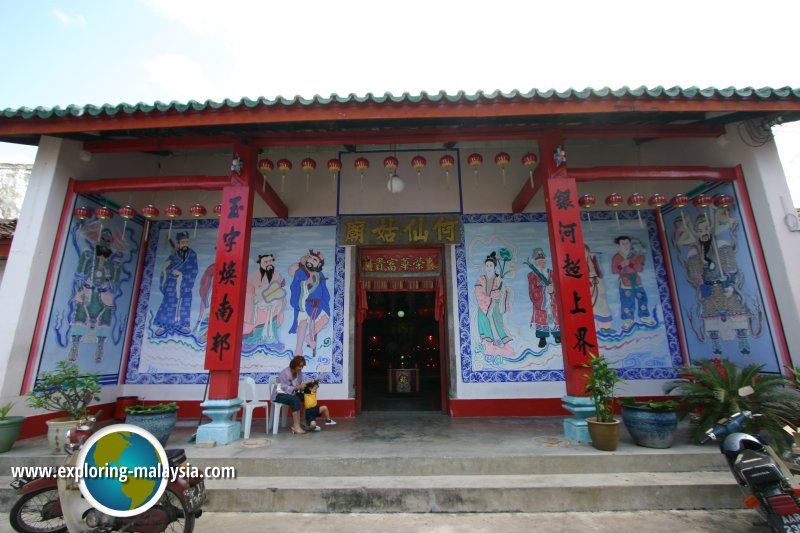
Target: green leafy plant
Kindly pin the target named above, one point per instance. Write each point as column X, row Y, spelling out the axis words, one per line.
column 151, row 409
column 713, row 389
column 794, row 375
column 66, row 388
column 601, row 382
column 5, row 409
column 653, row 405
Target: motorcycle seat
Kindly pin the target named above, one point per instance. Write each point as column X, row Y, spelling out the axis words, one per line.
column 176, row 456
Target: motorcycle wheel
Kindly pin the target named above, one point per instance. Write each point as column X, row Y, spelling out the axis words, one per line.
column 181, row 525
column 30, row 513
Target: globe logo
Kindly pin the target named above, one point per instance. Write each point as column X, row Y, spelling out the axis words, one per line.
column 123, row 469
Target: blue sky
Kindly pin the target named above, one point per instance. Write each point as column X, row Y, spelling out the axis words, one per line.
column 59, row 52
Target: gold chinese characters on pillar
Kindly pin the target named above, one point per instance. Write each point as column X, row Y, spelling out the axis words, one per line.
column 400, row 230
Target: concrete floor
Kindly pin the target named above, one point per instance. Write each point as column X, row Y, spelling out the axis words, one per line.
column 600, row 522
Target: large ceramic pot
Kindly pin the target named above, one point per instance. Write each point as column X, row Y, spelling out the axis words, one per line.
column 651, row 428
column 605, row 435
column 160, row 424
column 10, row 427
column 57, row 432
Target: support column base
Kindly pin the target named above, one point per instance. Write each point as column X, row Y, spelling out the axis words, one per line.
column 222, row 429
column 576, row 428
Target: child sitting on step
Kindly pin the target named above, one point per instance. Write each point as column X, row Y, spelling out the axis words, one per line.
column 313, row 410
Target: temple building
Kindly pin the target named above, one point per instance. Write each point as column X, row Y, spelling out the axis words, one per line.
column 457, row 253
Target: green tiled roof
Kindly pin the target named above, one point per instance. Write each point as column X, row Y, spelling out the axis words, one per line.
column 691, row 93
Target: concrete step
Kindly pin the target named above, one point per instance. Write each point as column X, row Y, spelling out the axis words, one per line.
column 476, row 493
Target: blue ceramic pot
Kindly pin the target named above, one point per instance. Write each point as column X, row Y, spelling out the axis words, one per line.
column 159, row 424
column 650, row 428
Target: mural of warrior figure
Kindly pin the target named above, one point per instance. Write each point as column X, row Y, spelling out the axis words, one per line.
column 713, row 271
column 627, row 263
column 541, row 291
column 96, row 281
column 176, row 282
column 493, row 303
column 311, row 300
column 602, row 313
column 265, row 300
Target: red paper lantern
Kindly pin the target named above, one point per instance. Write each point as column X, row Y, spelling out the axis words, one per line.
column 172, row 211
column 530, row 160
column 475, row 160
column 419, row 163
column 614, row 200
column 679, row 201
column 587, row 201
column 361, row 164
column 502, row 159
column 127, row 212
column 197, row 210
column 149, row 211
column 265, row 166
column 447, row 162
column 103, row 213
column 334, row 165
column 657, row 200
column 723, row 200
column 308, row 164
column 390, row 164
column 82, row 213
column 636, row 200
column 703, row 200
column 218, row 210
column 284, row 166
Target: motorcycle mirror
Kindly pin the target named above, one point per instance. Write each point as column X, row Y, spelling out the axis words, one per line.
column 746, row 391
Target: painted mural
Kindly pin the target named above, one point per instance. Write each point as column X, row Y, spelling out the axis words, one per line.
column 89, row 316
column 294, row 301
column 509, row 325
column 720, row 294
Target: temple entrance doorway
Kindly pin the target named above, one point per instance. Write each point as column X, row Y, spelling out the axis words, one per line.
column 401, row 368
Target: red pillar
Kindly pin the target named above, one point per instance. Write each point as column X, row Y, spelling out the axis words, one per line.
column 224, row 345
column 570, row 273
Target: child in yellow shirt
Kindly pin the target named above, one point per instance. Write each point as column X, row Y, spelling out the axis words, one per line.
column 313, row 410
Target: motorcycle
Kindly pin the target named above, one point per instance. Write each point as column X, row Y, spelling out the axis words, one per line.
column 55, row 505
column 764, row 477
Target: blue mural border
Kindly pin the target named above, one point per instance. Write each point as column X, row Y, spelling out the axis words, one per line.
column 514, row 376
column 175, row 378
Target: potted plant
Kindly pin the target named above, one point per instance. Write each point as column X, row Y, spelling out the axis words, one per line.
column 603, row 427
column 10, row 426
column 715, row 389
column 66, row 389
column 651, row 424
column 159, row 419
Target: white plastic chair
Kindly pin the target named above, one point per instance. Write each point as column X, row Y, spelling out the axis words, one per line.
column 279, row 410
column 247, row 388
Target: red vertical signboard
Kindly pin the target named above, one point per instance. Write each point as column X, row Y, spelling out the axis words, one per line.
column 578, row 334
column 224, row 342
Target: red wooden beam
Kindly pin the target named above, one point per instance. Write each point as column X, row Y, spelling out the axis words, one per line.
column 270, row 197
column 404, row 110
column 653, row 173
column 154, row 183
column 527, row 192
column 403, row 136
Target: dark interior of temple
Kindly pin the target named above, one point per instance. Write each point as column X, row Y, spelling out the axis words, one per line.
column 400, row 353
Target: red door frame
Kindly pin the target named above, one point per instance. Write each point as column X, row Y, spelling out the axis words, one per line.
column 444, row 352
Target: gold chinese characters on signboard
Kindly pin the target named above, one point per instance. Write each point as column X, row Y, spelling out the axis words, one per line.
column 400, row 263
column 388, row 230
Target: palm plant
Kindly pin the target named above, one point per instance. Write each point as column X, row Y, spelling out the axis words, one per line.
column 713, row 389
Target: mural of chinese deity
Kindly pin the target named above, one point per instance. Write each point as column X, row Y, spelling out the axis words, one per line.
column 294, row 282
column 508, row 305
column 721, row 303
column 91, row 305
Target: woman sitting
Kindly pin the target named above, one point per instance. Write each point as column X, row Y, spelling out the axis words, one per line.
column 290, row 390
